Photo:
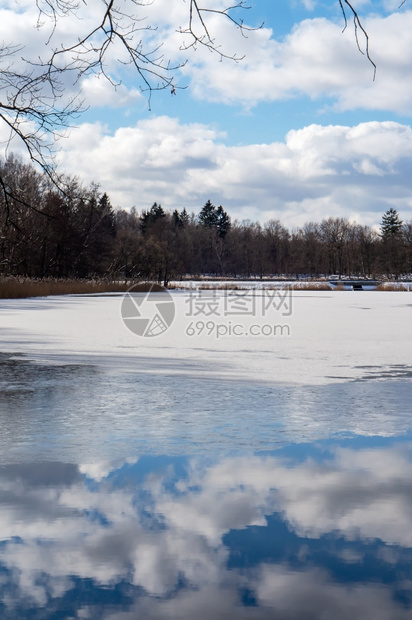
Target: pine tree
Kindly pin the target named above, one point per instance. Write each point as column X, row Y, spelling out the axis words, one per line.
column 149, row 218
column 184, row 217
column 180, row 220
column 177, row 222
column 223, row 221
column 391, row 225
column 208, row 216
column 392, row 241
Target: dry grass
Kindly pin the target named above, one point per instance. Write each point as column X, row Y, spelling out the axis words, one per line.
column 17, row 288
column 298, row 286
column 392, row 286
column 14, row 288
column 309, row 286
column 219, row 287
column 205, row 287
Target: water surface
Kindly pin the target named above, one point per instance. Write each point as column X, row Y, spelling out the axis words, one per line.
column 200, row 478
column 309, row 531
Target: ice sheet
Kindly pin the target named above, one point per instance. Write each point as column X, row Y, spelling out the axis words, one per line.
column 329, row 337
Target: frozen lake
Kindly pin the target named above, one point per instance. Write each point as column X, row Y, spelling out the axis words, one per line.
column 251, row 460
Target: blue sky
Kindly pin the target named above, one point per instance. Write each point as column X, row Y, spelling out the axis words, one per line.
column 297, row 131
column 267, row 120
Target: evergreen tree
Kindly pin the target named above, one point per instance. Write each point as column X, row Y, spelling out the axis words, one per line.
column 393, row 256
column 391, row 225
column 208, row 216
column 184, row 217
column 223, row 221
column 149, row 218
column 217, row 218
column 176, row 219
column 180, row 220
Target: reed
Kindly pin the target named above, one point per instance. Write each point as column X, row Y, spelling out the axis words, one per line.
column 18, row 288
column 392, row 286
column 309, row 286
column 219, row 287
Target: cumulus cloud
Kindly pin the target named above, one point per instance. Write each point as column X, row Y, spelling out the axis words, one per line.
column 315, row 59
column 34, row 35
column 316, row 172
column 99, row 92
column 155, row 538
column 302, row 594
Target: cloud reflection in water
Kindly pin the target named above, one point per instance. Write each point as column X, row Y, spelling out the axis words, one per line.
column 308, row 532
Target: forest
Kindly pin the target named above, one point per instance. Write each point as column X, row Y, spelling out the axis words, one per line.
column 47, row 232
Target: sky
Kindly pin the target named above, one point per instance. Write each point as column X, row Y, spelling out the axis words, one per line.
column 298, row 130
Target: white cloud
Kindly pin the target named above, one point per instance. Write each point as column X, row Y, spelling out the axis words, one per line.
column 99, row 92
column 316, row 172
column 309, row 4
column 109, row 534
column 311, row 593
column 37, row 35
column 317, row 60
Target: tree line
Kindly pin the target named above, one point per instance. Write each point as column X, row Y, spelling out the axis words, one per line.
column 76, row 233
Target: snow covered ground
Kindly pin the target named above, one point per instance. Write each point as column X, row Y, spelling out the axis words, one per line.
column 327, row 336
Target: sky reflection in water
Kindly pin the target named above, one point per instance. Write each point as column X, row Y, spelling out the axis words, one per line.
column 256, row 512
column 76, row 413
column 317, row 530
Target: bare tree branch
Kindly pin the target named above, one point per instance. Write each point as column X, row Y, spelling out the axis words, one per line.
column 30, row 107
column 35, row 101
column 34, row 105
column 199, row 32
column 358, row 26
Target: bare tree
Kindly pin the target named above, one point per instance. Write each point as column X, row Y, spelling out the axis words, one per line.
column 33, row 91
column 41, row 97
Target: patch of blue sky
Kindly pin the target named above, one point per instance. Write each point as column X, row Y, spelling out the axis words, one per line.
column 301, row 72
column 268, row 120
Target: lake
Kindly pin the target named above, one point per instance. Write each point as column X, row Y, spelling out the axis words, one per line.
column 221, row 454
